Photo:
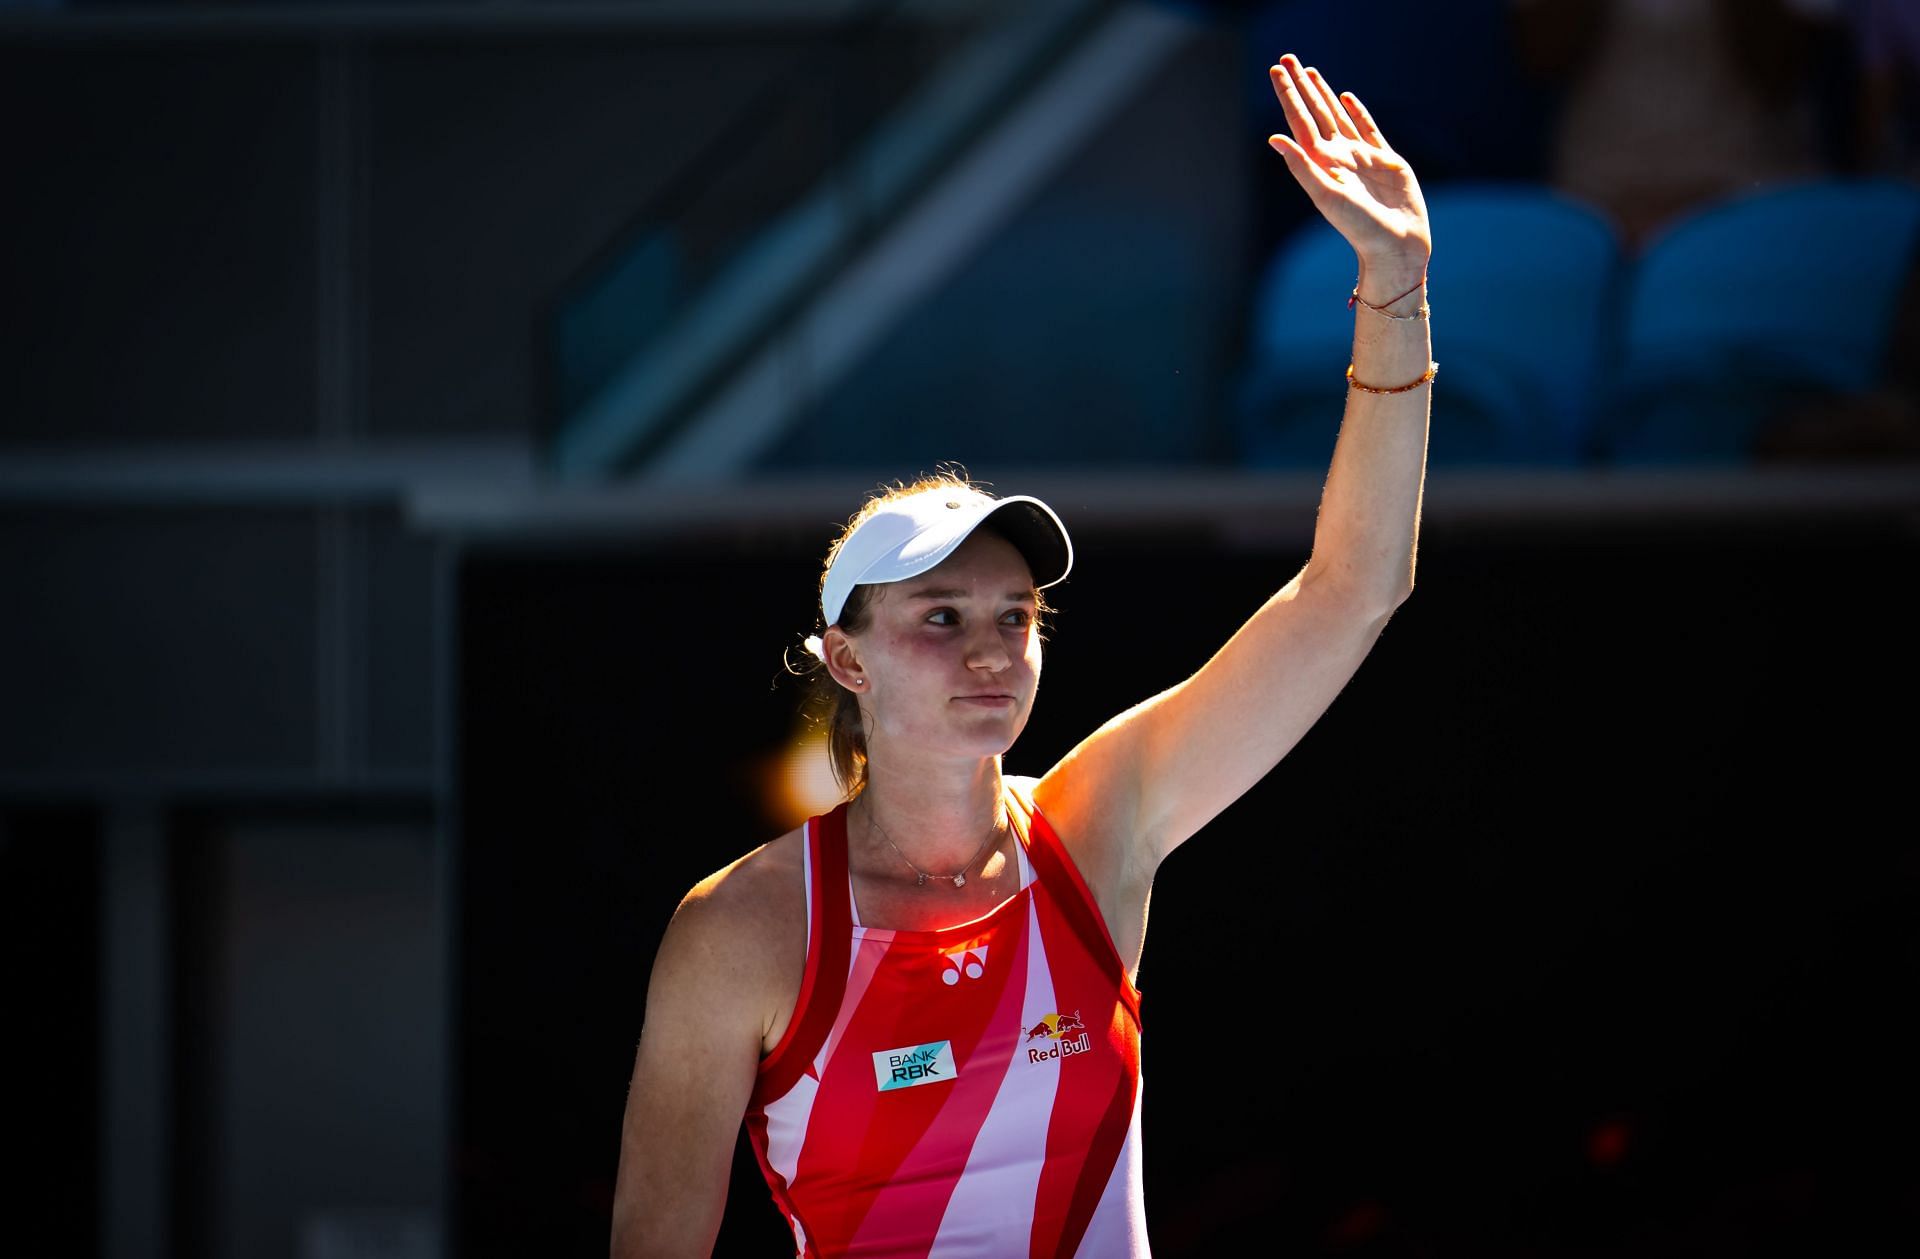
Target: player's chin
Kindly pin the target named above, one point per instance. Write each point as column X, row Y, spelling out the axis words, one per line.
column 992, row 727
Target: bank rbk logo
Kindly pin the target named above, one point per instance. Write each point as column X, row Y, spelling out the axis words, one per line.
column 913, row 1065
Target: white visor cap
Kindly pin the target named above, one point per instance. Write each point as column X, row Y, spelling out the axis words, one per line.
column 913, row 533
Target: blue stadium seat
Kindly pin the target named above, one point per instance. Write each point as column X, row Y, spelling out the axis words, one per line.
column 1523, row 286
column 1751, row 303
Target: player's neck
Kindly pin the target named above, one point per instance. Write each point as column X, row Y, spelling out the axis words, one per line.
column 938, row 821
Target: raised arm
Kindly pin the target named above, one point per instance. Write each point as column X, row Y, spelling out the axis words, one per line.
column 692, row 1077
column 1140, row 785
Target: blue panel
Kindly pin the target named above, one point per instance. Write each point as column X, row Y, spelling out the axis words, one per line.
column 596, row 334
column 1085, row 333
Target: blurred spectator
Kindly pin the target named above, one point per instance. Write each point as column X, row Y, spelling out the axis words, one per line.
column 1886, row 37
column 1675, row 103
column 1882, row 135
column 1881, row 425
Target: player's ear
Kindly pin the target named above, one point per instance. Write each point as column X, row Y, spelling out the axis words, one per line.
column 843, row 659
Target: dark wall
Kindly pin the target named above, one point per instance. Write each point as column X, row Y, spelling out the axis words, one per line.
column 1577, row 926
column 218, row 220
column 50, row 917
column 157, row 242
column 211, row 641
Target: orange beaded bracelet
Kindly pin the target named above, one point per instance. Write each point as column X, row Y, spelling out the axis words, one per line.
column 1432, row 368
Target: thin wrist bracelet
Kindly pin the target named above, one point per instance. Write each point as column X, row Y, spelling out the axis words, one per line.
column 1420, row 312
column 1381, row 309
column 1432, row 369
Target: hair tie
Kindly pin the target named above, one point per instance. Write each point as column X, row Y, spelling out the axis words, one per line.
column 813, row 644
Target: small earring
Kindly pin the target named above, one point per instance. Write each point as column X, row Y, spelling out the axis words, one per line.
column 859, row 681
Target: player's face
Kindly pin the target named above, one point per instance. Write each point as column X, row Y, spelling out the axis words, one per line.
column 952, row 657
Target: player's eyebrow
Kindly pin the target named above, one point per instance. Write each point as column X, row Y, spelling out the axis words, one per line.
column 1013, row 596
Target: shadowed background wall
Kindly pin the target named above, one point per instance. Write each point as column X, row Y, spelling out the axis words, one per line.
column 353, row 753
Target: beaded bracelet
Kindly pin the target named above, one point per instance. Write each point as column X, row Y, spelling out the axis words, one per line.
column 1432, row 369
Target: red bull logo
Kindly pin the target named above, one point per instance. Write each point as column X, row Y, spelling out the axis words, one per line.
column 1055, row 1026
column 1059, row 1029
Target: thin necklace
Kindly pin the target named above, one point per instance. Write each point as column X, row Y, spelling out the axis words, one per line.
column 958, row 880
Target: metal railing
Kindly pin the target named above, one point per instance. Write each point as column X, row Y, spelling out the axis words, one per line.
column 735, row 245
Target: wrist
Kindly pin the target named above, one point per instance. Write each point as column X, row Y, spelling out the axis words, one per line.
column 1409, row 302
column 1385, row 276
column 1409, row 255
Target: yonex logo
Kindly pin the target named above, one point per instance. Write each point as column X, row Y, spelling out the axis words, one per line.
column 914, row 1065
column 970, row 962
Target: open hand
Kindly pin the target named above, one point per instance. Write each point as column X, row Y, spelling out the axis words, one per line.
column 1365, row 189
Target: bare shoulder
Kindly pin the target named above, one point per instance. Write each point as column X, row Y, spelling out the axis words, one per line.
column 742, row 932
column 719, row 986
column 750, row 887
column 748, row 905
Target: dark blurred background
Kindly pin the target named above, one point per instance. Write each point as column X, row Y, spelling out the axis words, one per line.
column 421, row 424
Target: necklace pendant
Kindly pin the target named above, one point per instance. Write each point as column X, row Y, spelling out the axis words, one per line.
column 959, row 880
column 922, row 881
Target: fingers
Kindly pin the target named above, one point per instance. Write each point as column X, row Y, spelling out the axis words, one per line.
column 1331, row 103
column 1318, row 110
column 1369, row 129
column 1293, row 103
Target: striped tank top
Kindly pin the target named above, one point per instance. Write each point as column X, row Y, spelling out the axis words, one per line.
column 972, row 1091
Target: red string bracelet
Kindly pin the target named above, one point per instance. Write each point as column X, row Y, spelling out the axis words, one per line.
column 1381, row 309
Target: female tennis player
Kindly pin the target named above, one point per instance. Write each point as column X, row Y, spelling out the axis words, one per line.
column 922, row 1004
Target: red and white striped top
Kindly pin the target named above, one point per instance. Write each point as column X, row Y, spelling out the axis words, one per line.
column 973, row 1091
